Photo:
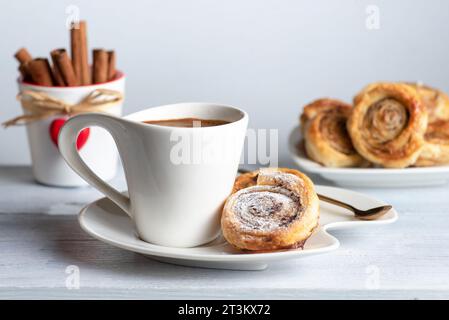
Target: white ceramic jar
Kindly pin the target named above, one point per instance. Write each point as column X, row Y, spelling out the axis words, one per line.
column 98, row 149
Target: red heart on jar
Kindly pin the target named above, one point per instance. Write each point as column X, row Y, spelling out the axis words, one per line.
column 56, row 125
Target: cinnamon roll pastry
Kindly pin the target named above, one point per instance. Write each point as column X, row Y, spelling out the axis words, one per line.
column 387, row 125
column 367, row 88
column 436, row 148
column 270, row 209
column 435, row 101
column 323, row 124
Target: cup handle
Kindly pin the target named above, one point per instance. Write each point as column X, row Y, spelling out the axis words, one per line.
column 67, row 147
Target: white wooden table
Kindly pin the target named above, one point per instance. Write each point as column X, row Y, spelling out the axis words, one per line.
column 40, row 241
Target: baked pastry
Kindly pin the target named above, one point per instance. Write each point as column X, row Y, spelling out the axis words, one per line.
column 326, row 140
column 435, row 101
column 270, row 209
column 387, row 124
column 362, row 92
column 436, row 148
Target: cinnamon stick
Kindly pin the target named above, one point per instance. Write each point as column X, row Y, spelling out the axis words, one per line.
column 85, row 71
column 59, row 81
column 40, row 71
column 111, row 65
column 24, row 72
column 63, row 66
column 78, row 40
column 100, row 66
column 75, row 47
column 23, row 56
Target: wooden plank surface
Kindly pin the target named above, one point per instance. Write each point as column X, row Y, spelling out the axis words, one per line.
column 40, row 241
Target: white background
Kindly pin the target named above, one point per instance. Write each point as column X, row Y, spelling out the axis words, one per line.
column 267, row 57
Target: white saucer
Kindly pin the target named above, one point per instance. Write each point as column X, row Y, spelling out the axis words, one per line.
column 103, row 220
column 368, row 177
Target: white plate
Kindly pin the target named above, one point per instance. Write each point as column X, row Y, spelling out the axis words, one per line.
column 103, row 220
column 368, row 177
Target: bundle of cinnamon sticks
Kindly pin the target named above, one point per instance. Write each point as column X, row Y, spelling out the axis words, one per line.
column 65, row 70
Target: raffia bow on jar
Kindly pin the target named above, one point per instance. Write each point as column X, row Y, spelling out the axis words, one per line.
column 39, row 105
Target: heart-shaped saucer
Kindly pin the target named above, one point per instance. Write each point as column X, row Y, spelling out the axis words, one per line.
column 105, row 221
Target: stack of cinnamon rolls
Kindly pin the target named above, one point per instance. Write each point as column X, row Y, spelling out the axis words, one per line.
column 390, row 125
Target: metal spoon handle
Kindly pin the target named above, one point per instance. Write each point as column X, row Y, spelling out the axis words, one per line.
column 370, row 214
column 336, row 202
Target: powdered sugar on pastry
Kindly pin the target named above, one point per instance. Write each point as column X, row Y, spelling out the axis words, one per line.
column 273, row 177
column 266, row 207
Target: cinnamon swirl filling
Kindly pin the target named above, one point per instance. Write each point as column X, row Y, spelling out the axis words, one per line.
column 333, row 128
column 266, row 208
column 385, row 120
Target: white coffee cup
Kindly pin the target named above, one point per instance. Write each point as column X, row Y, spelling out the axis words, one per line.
column 98, row 152
column 178, row 178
